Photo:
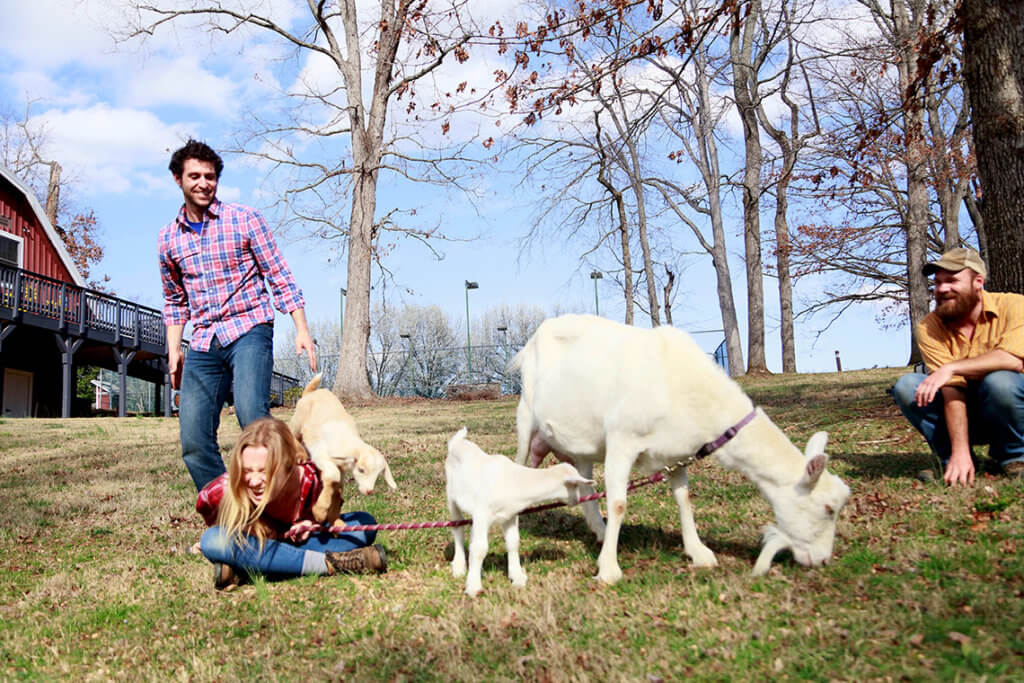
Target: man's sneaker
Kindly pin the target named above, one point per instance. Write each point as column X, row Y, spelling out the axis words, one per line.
column 1014, row 470
column 368, row 560
column 225, row 577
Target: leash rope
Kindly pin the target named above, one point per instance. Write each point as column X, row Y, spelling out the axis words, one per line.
column 402, row 526
column 704, row 451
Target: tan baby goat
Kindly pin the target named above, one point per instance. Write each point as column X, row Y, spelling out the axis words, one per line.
column 494, row 490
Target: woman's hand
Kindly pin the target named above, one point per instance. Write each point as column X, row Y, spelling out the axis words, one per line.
column 301, row 530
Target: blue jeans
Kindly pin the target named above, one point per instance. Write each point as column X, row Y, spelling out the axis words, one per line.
column 995, row 414
column 243, row 367
column 281, row 559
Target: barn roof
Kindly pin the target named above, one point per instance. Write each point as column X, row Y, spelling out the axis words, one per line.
column 51, row 233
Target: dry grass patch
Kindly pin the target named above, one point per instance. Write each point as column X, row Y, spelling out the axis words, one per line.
column 97, row 515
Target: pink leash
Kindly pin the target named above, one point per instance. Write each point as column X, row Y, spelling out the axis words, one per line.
column 338, row 528
column 704, row 451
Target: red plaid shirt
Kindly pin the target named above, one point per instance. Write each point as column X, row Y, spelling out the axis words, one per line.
column 209, row 498
column 217, row 279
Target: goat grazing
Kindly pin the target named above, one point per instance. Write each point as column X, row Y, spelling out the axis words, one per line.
column 494, row 490
column 596, row 390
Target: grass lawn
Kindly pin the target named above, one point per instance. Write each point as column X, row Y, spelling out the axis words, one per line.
column 927, row 583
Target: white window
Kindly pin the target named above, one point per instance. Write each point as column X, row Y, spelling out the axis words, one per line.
column 10, row 250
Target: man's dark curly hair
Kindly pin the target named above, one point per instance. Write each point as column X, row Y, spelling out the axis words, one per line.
column 194, row 149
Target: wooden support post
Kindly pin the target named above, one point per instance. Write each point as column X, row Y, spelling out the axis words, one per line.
column 67, row 347
column 168, row 392
column 123, row 358
column 839, row 363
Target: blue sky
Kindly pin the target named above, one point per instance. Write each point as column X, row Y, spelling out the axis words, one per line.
column 113, row 113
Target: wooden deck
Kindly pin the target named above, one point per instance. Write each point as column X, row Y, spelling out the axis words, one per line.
column 102, row 329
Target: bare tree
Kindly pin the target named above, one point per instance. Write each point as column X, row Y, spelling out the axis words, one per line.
column 745, row 65
column 692, row 118
column 23, row 150
column 790, row 139
column 405, row 42
column 994, row 68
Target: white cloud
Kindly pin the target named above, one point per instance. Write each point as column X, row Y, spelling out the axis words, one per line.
column 106, row 146
column 181, row 82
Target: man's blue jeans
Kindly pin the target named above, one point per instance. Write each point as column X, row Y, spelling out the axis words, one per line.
column 243, row 367
column 281, row 559
column 995, row 414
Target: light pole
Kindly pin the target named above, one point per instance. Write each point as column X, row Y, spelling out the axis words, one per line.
column 504, row 344
column 595, row 276
column 408, row 352
column 341, row 320
column 469, row 343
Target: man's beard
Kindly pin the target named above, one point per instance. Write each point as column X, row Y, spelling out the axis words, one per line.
column 956, row 309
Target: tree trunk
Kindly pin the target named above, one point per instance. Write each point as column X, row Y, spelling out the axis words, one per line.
column 709, row 168
column 627, row 261
column 744, row 85
column 53, row 193
column 352, row 380
column 604, row 177
column 994, row 71
column 785, row 278
column 669, row 284
column 916, row 219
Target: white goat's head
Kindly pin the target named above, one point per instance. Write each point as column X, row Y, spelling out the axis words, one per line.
column 806, row 516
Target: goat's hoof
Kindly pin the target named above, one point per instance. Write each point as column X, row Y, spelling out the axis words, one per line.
column 610, row 578
column 473, row 592
column 704, row 560
column 519, row 581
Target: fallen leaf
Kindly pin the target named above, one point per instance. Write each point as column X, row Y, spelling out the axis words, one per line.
column 778, row 664
column 958, row 637
column 916, row 639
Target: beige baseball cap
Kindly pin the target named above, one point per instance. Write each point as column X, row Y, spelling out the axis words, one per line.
column 956, row 260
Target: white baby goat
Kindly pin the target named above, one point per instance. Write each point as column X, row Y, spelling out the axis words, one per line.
column 494, row 490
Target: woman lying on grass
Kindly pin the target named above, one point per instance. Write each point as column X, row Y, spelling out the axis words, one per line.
column 260, row 515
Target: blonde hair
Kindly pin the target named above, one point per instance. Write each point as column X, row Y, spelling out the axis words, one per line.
column 238, row 515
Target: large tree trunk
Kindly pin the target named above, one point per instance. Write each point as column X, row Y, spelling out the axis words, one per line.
column 994, row 71
column 367, row 151
column 352, row 380
column 744, row 87
column 916, row 219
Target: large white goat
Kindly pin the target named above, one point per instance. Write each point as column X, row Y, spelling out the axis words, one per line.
column 596, row 390
column 494, row 490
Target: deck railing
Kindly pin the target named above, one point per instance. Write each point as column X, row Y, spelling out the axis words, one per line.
column 80, row 312
column 70, row 306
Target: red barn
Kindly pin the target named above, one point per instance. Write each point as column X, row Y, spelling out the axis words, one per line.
column 50, row 322
column 27, row 240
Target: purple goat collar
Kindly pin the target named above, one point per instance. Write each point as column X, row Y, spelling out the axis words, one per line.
column 712, row 446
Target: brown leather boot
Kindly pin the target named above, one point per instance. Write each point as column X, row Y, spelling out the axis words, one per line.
column 368, row 560
column 226, row 577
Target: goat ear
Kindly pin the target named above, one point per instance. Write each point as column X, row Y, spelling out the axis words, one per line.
column 388, row 478
column 816, row 445
column 348, row 459
column 815, row 466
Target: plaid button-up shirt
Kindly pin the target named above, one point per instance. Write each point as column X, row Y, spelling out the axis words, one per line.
column 208, row 502
column 218, row 279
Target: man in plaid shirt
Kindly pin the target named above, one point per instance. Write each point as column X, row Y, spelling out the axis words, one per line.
column 216, row 262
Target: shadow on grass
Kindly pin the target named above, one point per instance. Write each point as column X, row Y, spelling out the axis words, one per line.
column 565, row 526
column 899, row 465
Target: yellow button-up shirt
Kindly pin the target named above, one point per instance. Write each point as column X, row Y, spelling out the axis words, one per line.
column 1001, row 326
